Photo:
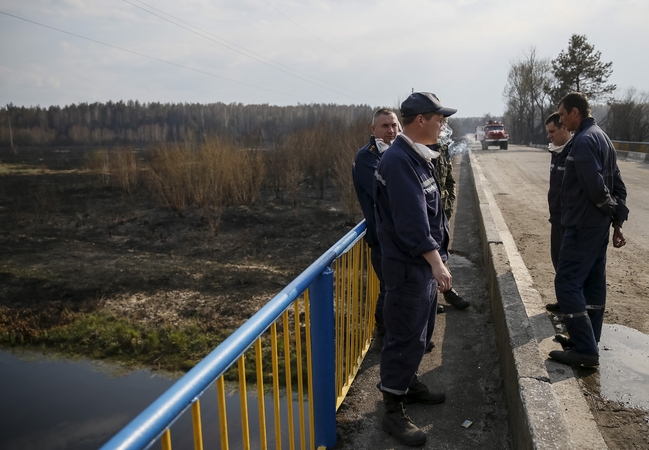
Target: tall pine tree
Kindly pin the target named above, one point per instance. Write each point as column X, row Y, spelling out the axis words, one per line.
column 579, row 68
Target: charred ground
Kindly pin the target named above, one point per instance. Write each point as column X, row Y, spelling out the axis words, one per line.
column 89, row 269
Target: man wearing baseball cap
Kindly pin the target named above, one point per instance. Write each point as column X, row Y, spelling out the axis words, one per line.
column 413, row 233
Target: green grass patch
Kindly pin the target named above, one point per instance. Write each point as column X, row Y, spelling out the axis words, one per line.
column 100, row 335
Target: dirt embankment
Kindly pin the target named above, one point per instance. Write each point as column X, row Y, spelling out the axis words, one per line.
column 81, row 261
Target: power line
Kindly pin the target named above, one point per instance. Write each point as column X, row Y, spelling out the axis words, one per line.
column 325, row 44
column 244, row 49
column 151, row 57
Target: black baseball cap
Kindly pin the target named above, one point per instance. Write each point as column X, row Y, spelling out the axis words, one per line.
column 423, row 103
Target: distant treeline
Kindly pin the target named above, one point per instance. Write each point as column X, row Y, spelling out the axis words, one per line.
column 133, row 122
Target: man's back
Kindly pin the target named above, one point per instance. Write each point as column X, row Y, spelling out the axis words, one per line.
column 591, row 180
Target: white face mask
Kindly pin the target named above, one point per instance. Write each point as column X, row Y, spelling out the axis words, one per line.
column 423, row 150
column 555, row 148
column 381, row 145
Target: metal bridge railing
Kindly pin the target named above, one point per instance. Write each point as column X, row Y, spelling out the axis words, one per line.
column 307, row 343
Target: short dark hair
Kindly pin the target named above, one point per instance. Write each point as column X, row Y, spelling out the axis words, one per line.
column 410, row 119
column 576, row 100
column 382, row 112
column 554, row 118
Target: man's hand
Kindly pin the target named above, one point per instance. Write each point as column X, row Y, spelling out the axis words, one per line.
column 440, row 272
column 618, row 237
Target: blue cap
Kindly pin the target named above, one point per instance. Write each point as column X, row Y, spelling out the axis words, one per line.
column 423, row 103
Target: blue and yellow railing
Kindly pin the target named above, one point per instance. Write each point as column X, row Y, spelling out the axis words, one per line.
column 315, row 333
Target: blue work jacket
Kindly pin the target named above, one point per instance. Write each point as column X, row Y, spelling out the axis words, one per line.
column 365, row 163
column 410, row 218
column 593, row 193
column 557, row 167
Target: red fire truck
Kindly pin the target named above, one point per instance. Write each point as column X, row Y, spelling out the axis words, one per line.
column 492, row 133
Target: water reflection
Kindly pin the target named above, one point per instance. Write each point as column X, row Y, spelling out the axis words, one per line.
column 623, row 374
column 54, row 404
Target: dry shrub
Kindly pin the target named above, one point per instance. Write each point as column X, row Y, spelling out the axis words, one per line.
column 344, row 150
column 97, row 163
column 117, row 167
column 170, row 175
column 291, row 164
column 123, row 168
column 247, row 171
column 210, row 175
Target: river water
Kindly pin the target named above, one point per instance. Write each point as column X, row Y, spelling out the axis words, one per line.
column 54, row 404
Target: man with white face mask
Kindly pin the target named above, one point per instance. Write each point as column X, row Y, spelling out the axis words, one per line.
column 413, row 233
column 385, row 127
column 558, row 136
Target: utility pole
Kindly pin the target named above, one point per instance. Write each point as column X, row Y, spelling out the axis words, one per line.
column 11, row 138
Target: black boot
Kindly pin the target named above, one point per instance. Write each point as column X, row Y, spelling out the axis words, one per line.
column 572, row 358
column 418, row 393
column 564, row 341
column 440, row 308
column 397, row 423
column 455, row 299
column 553, row 307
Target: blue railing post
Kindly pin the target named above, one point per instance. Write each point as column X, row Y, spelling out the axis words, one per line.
column 321, row 293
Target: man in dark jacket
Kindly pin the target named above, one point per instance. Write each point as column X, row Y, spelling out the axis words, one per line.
column 593, row 196
column 413, row 234
column 558, row 136
column 385, row 127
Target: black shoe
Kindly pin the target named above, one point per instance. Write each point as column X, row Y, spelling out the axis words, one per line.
column 455, row 299
column 430, row 347
column 553, row 307
column 397, row 423
column 573, row 358
column 564, row 341
column 418, row 393
column 440, row 308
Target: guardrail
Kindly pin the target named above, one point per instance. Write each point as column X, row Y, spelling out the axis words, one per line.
column 325, row 319
column 628, row 146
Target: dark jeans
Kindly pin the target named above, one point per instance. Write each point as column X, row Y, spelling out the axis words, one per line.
column 409, row 312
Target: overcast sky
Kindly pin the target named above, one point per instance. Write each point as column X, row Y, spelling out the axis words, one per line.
column 286, row 52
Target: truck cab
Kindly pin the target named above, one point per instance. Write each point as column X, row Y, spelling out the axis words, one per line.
column 494, row 134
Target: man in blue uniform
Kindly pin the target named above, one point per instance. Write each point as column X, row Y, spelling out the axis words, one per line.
column 593, row 196
column 558, row 136
column 413, row 233
column 385, row 127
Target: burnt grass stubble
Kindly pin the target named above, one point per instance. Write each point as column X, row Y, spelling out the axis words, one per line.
column 89, row 270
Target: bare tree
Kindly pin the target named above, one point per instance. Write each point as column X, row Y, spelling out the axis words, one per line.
column 526, row 97
column 628, row 117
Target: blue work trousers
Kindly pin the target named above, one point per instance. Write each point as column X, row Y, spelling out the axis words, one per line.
column 409, row 313
column 556, row 236
column 580, row 285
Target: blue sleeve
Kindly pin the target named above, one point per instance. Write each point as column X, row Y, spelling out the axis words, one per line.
column 363, row 175
column 588, row 167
